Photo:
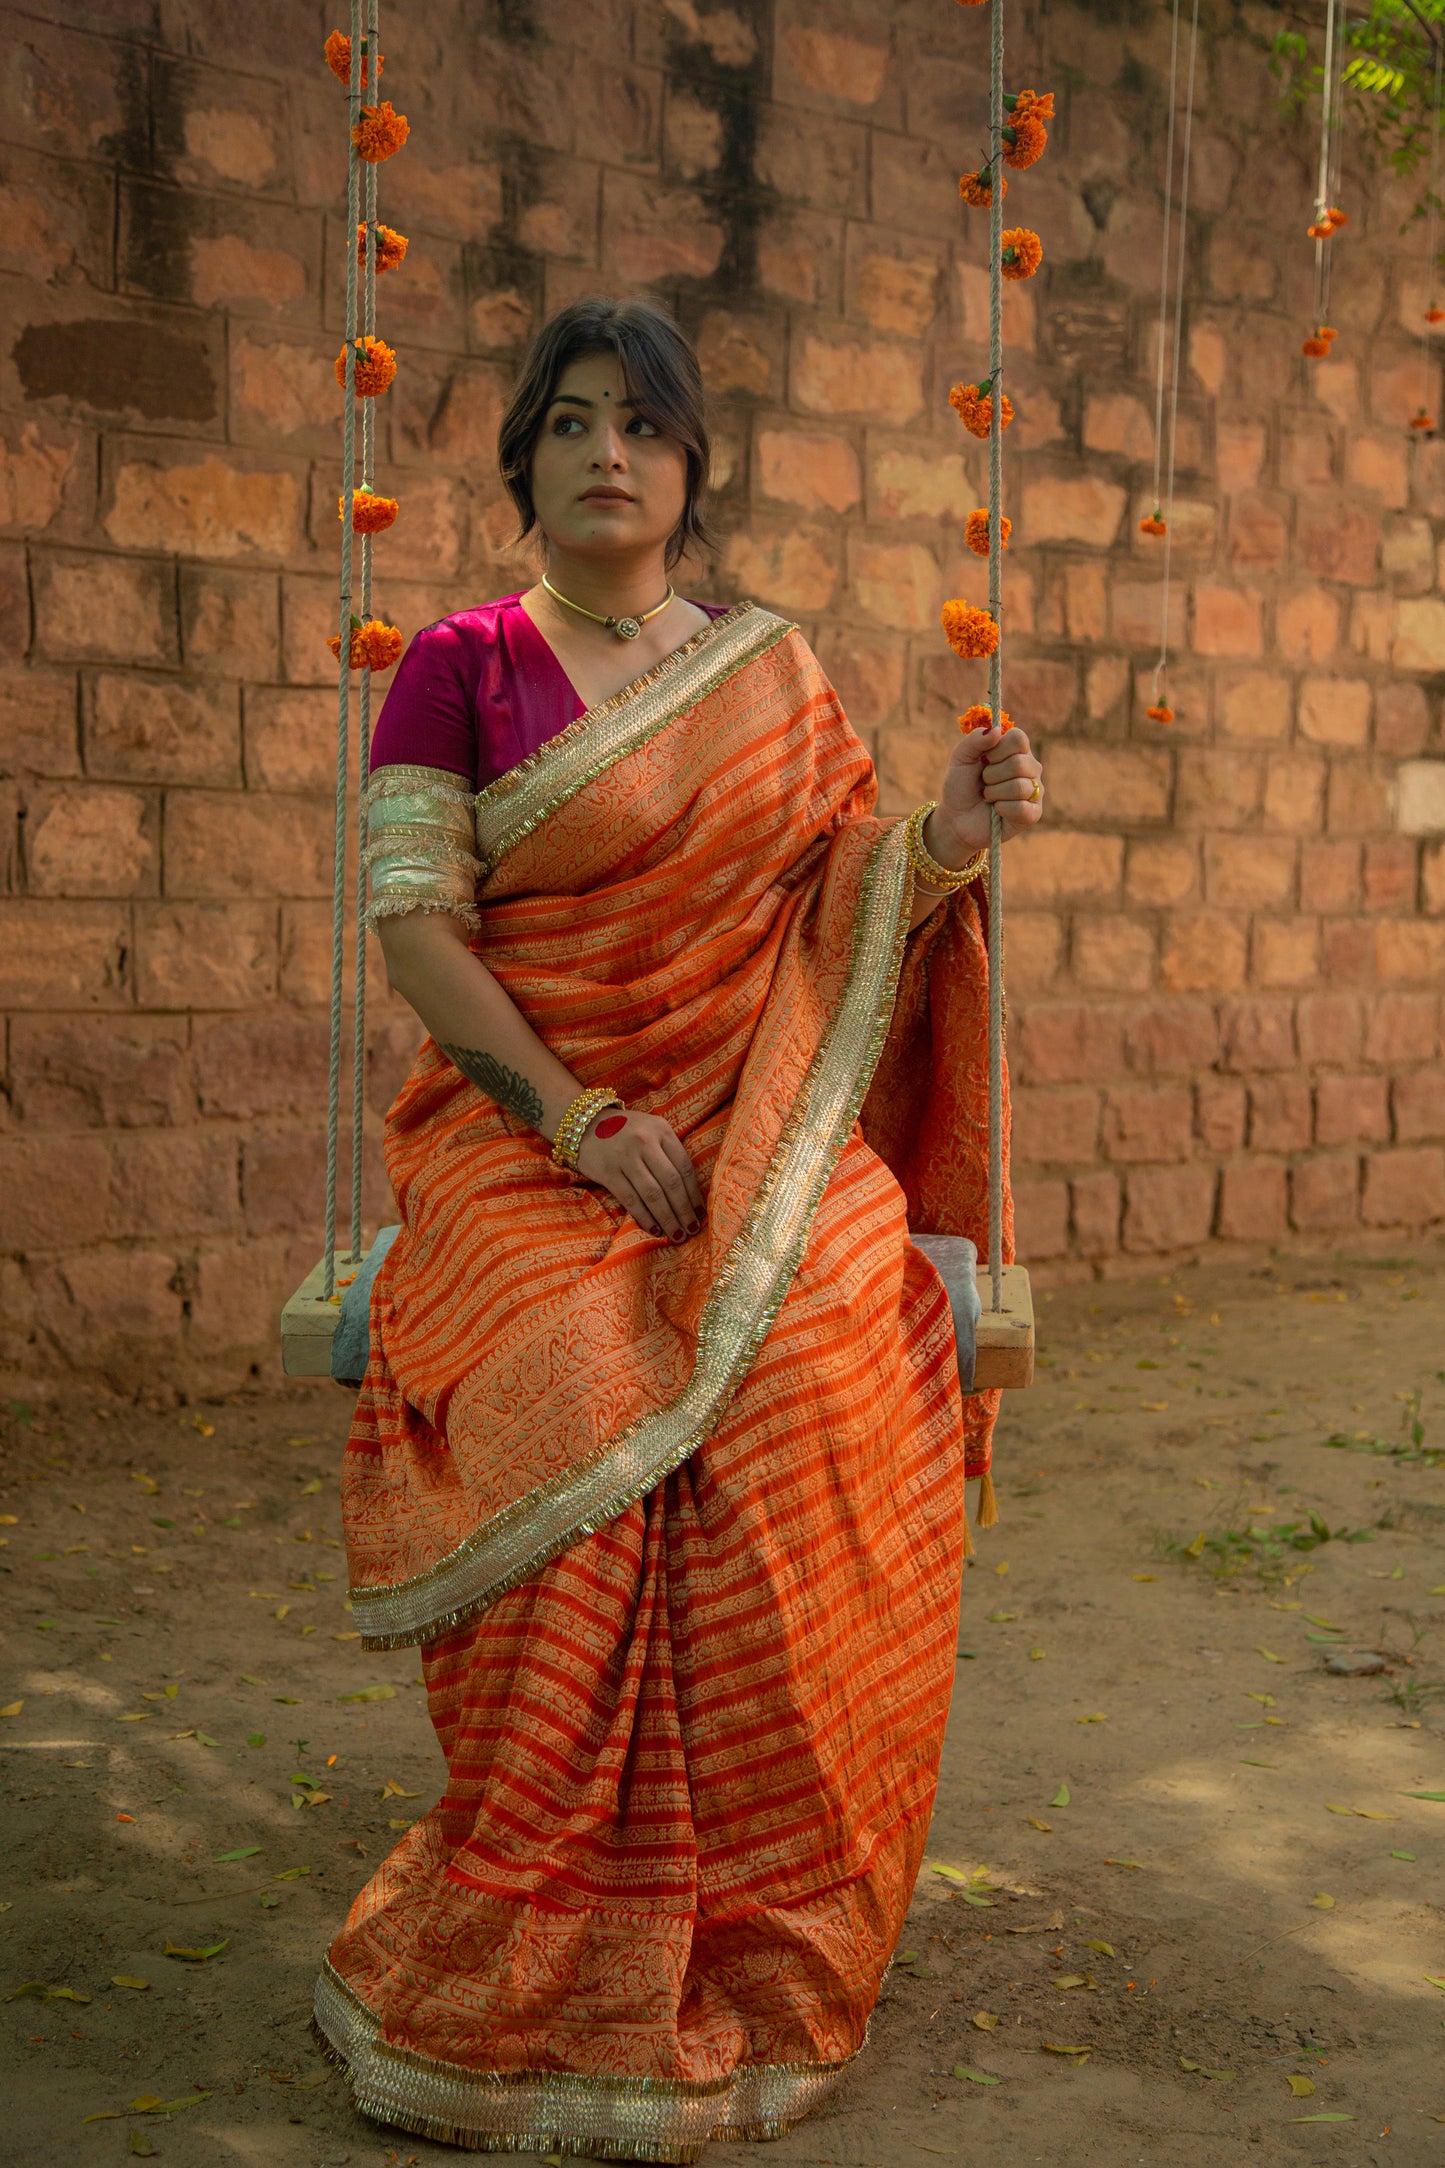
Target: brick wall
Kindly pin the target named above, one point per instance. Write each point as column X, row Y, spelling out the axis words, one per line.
column 1225, row 948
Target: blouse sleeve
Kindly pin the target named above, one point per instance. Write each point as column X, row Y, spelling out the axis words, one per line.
column 421, row 838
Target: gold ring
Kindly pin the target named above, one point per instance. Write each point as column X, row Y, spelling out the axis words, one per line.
column 1038, row 790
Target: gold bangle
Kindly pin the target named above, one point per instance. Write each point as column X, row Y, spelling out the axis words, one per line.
column 926, row 867
column 575, row 1123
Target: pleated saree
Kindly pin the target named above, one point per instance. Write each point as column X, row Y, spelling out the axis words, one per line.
column 678, row 1530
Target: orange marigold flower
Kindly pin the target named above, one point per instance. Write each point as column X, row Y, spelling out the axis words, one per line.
column 338, row 58
column 1154, row 524
column 375, row 367
column 1326, row 332
column 975, row 531
column 1422, row 420
column 375, row 645
column 1338, row 217
column 976, row 189
column 1434, row 315
column 980, row 717
column 974, row 409
column 1321, row 231
column 380, row 132
column 370, row 514
column 970, row 632
column 1035, row 104
column 1024, row 142
column 1023, row 252
column 1315, row 347
column 1160, row 715
column 391, row 247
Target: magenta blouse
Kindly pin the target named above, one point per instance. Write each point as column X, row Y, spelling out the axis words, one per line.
column 476, row 693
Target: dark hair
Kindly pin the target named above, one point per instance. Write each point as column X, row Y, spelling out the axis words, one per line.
column 664, row 383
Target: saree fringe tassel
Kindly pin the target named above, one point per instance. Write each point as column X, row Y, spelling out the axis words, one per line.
column 987, row 1501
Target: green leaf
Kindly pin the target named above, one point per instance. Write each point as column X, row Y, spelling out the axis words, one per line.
column 1327, row 2117
column 140, row 2143
column 1423, row 1795
column 196, row 1956
column 255, row 1738
column 246, row 1851
column 1061, row 1797
column 292, row 1874
column 1403, row 1855
column 384, row 1693
column 203, row 1738
column 1201, row 2070
column 974, row 2077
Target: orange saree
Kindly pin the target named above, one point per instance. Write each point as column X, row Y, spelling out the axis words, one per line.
column 678, row 1530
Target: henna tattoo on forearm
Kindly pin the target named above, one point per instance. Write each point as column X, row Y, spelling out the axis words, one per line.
column 508, row 1087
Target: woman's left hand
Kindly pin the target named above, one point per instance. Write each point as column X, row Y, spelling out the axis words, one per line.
column 987, row 768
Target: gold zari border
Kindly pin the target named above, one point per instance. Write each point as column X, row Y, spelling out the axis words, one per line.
column 420, row 844
column 736, row 1318
column 520, row 800
column 538, row 2111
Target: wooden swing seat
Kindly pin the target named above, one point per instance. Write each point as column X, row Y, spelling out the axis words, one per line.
column 309, row 1321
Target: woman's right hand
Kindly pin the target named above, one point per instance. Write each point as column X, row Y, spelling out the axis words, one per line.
column 646, row 1167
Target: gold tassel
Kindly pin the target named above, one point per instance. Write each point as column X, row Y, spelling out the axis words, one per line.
column 987, row 1501
column 967, row 1535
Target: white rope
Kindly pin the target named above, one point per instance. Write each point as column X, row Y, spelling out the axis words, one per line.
column 1322, row 184
column 363, row 719
column 1431, row 236
column 343, row 733
column 995, row 665
column 1161, row 363
column 1163, row 663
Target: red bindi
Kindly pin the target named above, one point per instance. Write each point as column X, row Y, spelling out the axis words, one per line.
column 610, row 1124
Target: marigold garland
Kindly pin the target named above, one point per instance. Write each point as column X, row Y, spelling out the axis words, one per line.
column 976, row 189
column 1031, row 104
column 391, row 247
column 975, row 531
column 1160, row 714
column 1434, row 315
column 1155, row 523
column 973, row 405
column 980, row 717
column 1319, row 342
column 338, row 58
column 370, row 514
column 970, row 632
column 1025, row 142
column 1422, row 420
column 375, row 367
column 375, row 645
column 380, row 132
column 1023, row 252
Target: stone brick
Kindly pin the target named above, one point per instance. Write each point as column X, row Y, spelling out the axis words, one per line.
column 153, row 730
column 86, row 840
column 1432, row 878
column 1114, row 955
column 1055, row 1128
column 1203, row 953
column 877, row 381
column 184, row 1182
column 1285, row 952
column 1084, row 589
column 1161, row 870
column 114, row 609
column 1227, row 621
column 205, row 955
column 1379, row 462
column 34, row 470
column 1403, row 1027
column 816, row 472
column 653, row 232
column 909, row 485
column 308, row 620
column 38, row 722
column 1372, row 624
column 800, row 258
column 230, row 622
column 1035, row 950
column 1307, row 624
column 1239, row 453
column 1219, row 1115
column 893, row 291
column 1044, row 693
column 1073, row 508
column 1419, row 634
column 1256, row 707
column 1068, row 1043
column 464, row 199
column 1258, row 532
column 1407, row 556
column 111, row 1310
column 1338, row 540
column 909, row 179
column 306, row 952
column 57, row 955
column 1418, row 1103
column 1307, row 457
column 1352, row 1110
column 795, row 569
column 1347, row 951
column 1168, row 1208
column 1404, row 1189
column 1041, row 1219
column 692, row 147
column 103, row 1072
column 290, row 738
column 461, row 427
column 910, row 763
column 867, row 674
column 1335, row 710
column 1171, row 1038
column 1409, row 949
column 1330, row 1028
column 850, row 69
column 1294, row 794
column 236, row 843
column 1020, row 336
column 1324, row 1193
column 738, row 353
column 1117, row 422
column 1391, row 873
column 1281, row 1115
column 1253, row 1204
column 1054, row 866
column 268, row 1062
column 1402, row 720
column 1097, row 1199
column 1218, row 789
column 1249, row 870
column 817, row 160
column 1142, row 1125
column 1330, row 876
column 1357, row 799
column 1113, row 783
column 895, row 583
column 1137, row 608
column 1418, row 807
column 48, row 1199
column 283, row 1181
column 1257, row 1035
column 227, row 268
column 281, row 388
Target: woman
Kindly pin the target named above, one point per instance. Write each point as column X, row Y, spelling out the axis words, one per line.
column 660, row 1456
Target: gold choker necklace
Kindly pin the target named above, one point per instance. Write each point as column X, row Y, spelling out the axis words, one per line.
column 626, row 628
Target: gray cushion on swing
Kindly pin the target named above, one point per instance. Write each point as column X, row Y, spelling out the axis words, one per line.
column 351, row 1342
column 955, row 1259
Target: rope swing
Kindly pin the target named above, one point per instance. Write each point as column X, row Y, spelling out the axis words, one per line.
column 1328, row 218
column 1424, row 420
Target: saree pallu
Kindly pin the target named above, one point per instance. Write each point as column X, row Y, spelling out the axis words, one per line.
column 678, row 1529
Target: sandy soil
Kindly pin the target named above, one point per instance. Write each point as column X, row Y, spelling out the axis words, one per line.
column 1152, row 1786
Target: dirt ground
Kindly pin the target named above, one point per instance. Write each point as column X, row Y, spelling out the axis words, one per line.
column 1181, row 1849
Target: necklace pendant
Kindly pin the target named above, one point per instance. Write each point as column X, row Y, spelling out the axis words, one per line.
column 627, row 628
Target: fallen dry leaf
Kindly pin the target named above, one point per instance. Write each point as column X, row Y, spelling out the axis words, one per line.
column 1300, row 2087
column 1105, row 1949
column 1201, row 2070
column 128, row 1979
column 974, row 2077
column 195, row 1957
column 1143, row 1577
column 984, row 2020
column 1061, row 1797
column 1052, row 2047
column 1034, row 1823
column 1323, row 1901
column 12, row 1708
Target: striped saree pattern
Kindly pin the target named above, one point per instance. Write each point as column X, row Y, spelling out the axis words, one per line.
column 678, row 1530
